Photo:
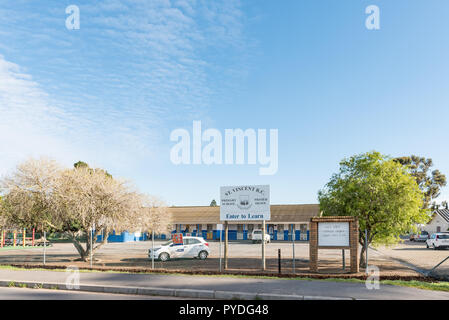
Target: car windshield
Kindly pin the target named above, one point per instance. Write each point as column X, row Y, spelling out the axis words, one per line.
column 443, row 236
column 167, row 243
column 257, row 232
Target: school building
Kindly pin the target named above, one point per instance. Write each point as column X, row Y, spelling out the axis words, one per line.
column 203, row 220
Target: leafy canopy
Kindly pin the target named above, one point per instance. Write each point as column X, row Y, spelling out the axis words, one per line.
column 379, row 192
column 429, row 182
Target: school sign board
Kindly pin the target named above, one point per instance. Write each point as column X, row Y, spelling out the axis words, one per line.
column 333, row 234
column 239, row 203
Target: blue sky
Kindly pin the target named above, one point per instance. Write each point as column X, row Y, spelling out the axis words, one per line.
column 111, row 92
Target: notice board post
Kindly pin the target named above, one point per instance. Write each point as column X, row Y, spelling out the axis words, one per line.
column 226, row 245
column 263, row 245
column 336, row 232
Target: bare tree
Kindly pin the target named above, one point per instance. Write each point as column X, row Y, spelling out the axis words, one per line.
column 27, row 194
column 155, row 217
column 90, row 202
column 81, row 202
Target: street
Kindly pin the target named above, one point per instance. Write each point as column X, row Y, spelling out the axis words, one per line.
column 337, row 289
column 48, row 294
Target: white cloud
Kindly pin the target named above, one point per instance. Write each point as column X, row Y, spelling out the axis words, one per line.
column 109, row 92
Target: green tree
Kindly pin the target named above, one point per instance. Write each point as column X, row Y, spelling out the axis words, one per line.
column 213, row 203
column 380, row 193
column 442, row 205
column 429, row 182
column 82, row 164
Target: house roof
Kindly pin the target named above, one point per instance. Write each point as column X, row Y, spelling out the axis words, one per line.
column 444, row 213
column 290, row 213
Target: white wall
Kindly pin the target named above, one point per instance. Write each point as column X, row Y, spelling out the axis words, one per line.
column 437, row 221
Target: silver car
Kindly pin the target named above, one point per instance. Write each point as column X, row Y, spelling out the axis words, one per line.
column 192, row 247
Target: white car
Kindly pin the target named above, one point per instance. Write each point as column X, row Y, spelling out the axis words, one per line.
column 438, row 240
column 192, row 247
column 256, row 236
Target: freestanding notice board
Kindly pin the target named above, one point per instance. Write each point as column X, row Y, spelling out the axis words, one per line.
column 245, row 203
column 336, row 232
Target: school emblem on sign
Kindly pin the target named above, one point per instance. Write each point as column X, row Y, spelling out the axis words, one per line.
column 244, row 202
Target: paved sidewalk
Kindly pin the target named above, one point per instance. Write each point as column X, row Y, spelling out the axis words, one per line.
column 230, row 284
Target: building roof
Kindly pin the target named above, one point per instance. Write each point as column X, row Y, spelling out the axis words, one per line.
column 283, row 213
column 444, row 213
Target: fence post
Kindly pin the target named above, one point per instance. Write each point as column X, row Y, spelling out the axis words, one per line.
column 45, row 245
column 1, row 243
column 279, row 261
column 24, row 237
column 32, row 241
column 15, row 237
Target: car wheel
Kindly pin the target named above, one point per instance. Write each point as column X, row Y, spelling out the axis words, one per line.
column 164, row 256
column 203, row 255
column 427, row 246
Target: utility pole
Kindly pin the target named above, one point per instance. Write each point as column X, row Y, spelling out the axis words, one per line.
column 152, row 249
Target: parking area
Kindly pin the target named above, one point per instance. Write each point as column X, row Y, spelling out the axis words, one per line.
column 416, row 254
column 244, row 256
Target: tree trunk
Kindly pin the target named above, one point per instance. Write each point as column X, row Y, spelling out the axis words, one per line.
column 362, row 263
column 78, row 245
column 85, row 253
column 94, row 239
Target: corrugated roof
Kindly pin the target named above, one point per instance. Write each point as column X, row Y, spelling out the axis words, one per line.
column 444, row 213
column 211, row 215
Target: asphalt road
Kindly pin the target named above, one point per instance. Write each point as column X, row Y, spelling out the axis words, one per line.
column 47, row 294
column 233, row 284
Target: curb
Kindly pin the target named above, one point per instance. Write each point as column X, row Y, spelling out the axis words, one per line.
column 155, row 291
